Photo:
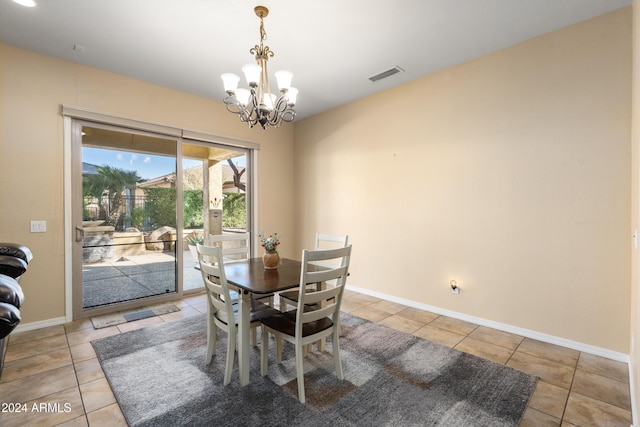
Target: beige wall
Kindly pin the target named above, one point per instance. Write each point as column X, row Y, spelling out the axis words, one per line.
column 32, row 88
column 510, row 174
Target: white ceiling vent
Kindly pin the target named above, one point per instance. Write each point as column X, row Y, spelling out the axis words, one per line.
column 385, row 74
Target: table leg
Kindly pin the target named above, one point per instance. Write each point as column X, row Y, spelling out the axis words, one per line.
column 244, row 328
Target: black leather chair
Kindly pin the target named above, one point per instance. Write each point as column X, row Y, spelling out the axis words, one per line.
column 14, row 259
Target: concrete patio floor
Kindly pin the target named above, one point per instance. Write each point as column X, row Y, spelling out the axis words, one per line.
column 137, row 276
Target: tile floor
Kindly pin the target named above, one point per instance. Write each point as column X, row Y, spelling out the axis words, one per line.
column 58, row 365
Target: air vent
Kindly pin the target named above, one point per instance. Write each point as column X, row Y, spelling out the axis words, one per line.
column 385, row 74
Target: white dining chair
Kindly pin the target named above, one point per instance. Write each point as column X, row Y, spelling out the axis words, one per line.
column 323, row 241
column 221, row 309
column 290, row 298
column 306, row 325
column 237, row 247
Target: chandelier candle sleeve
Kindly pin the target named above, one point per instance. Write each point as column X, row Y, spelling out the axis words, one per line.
column 257, row 105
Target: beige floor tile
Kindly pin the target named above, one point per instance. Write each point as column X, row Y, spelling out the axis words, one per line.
column 82, row 352
column 493, row 336
column 33, row 347
column 50, row 410
column 20, row 337
column 88, row 370
column 195, row 299
column 453, row 325
column 440, row 336
column 200, row 308
column 602, row 388
column 401, row 323
column 347, row 306
column 96, row 395
column 38, row 385
column 418, row 315
column 585, row 411
column 567, row 424
column 613, row 369
column 109, row 416
column 483, row 349
column 139, row 324
column 78, row 325
column 86, row 335
column 184, row 312
column 31, row 365
column 551, row 372
column 552, row 352
column 533, row 418
column 371, row 314
column 549, row 399
column 76, row 422
column 362, row 299
column 388, row 306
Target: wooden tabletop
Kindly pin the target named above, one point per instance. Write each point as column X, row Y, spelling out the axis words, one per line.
column 251, row 275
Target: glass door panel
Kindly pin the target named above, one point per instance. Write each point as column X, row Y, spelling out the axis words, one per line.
column 214, row 199
column 129, row 226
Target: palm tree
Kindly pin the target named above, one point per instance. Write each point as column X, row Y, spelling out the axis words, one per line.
column 110, row 182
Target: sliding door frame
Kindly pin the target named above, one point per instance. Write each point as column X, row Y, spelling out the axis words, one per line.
column 75, row 117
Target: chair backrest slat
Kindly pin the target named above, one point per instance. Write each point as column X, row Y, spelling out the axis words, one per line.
column 330, row 241
column 235, row 246
column 215, row 281
column 331, row 298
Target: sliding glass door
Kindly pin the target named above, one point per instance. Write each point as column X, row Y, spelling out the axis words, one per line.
column 125, row 219
column 140, row 202
column 214, row 199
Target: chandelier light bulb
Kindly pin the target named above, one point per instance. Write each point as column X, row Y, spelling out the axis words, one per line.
column 243, row 95
column 284, row 78
column 230, row 82
column 292, row 95
column 252, row 73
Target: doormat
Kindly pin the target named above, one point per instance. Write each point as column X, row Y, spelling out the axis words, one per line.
column 113, row 319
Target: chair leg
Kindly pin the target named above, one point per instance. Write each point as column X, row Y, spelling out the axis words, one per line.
column 300, row 371
column 264, row 350
column 254, row 337
column 212, row 335
column 231, row 351
column 278, row 349
column 336, row 353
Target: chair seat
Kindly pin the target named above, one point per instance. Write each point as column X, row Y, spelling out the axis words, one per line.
column 258, row 311
column 286, row 324
column 293, row 296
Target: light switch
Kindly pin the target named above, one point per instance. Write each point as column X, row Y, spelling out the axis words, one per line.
column 38, row 226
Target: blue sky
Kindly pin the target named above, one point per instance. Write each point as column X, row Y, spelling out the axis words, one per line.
column 147, row 165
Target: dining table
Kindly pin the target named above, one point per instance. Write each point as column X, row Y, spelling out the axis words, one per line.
column 250, row 277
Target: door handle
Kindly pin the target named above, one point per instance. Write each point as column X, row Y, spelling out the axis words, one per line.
column 79, row 234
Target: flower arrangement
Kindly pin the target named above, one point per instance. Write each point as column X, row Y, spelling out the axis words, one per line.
column 269, row 243
column 215, row 203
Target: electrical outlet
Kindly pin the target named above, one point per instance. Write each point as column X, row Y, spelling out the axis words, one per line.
column 38, row 226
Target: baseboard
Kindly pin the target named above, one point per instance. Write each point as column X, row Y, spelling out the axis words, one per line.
column 597, row 351
column 24, row 327
column 633, row 394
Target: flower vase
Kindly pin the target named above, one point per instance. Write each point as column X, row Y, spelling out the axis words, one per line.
column 271, row 259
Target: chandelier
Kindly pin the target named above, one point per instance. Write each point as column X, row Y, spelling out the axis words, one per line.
column 257, row 105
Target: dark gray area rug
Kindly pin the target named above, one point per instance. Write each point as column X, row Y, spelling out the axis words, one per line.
column 159, row 378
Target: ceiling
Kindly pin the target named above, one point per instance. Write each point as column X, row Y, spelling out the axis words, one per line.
column 331, row 46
